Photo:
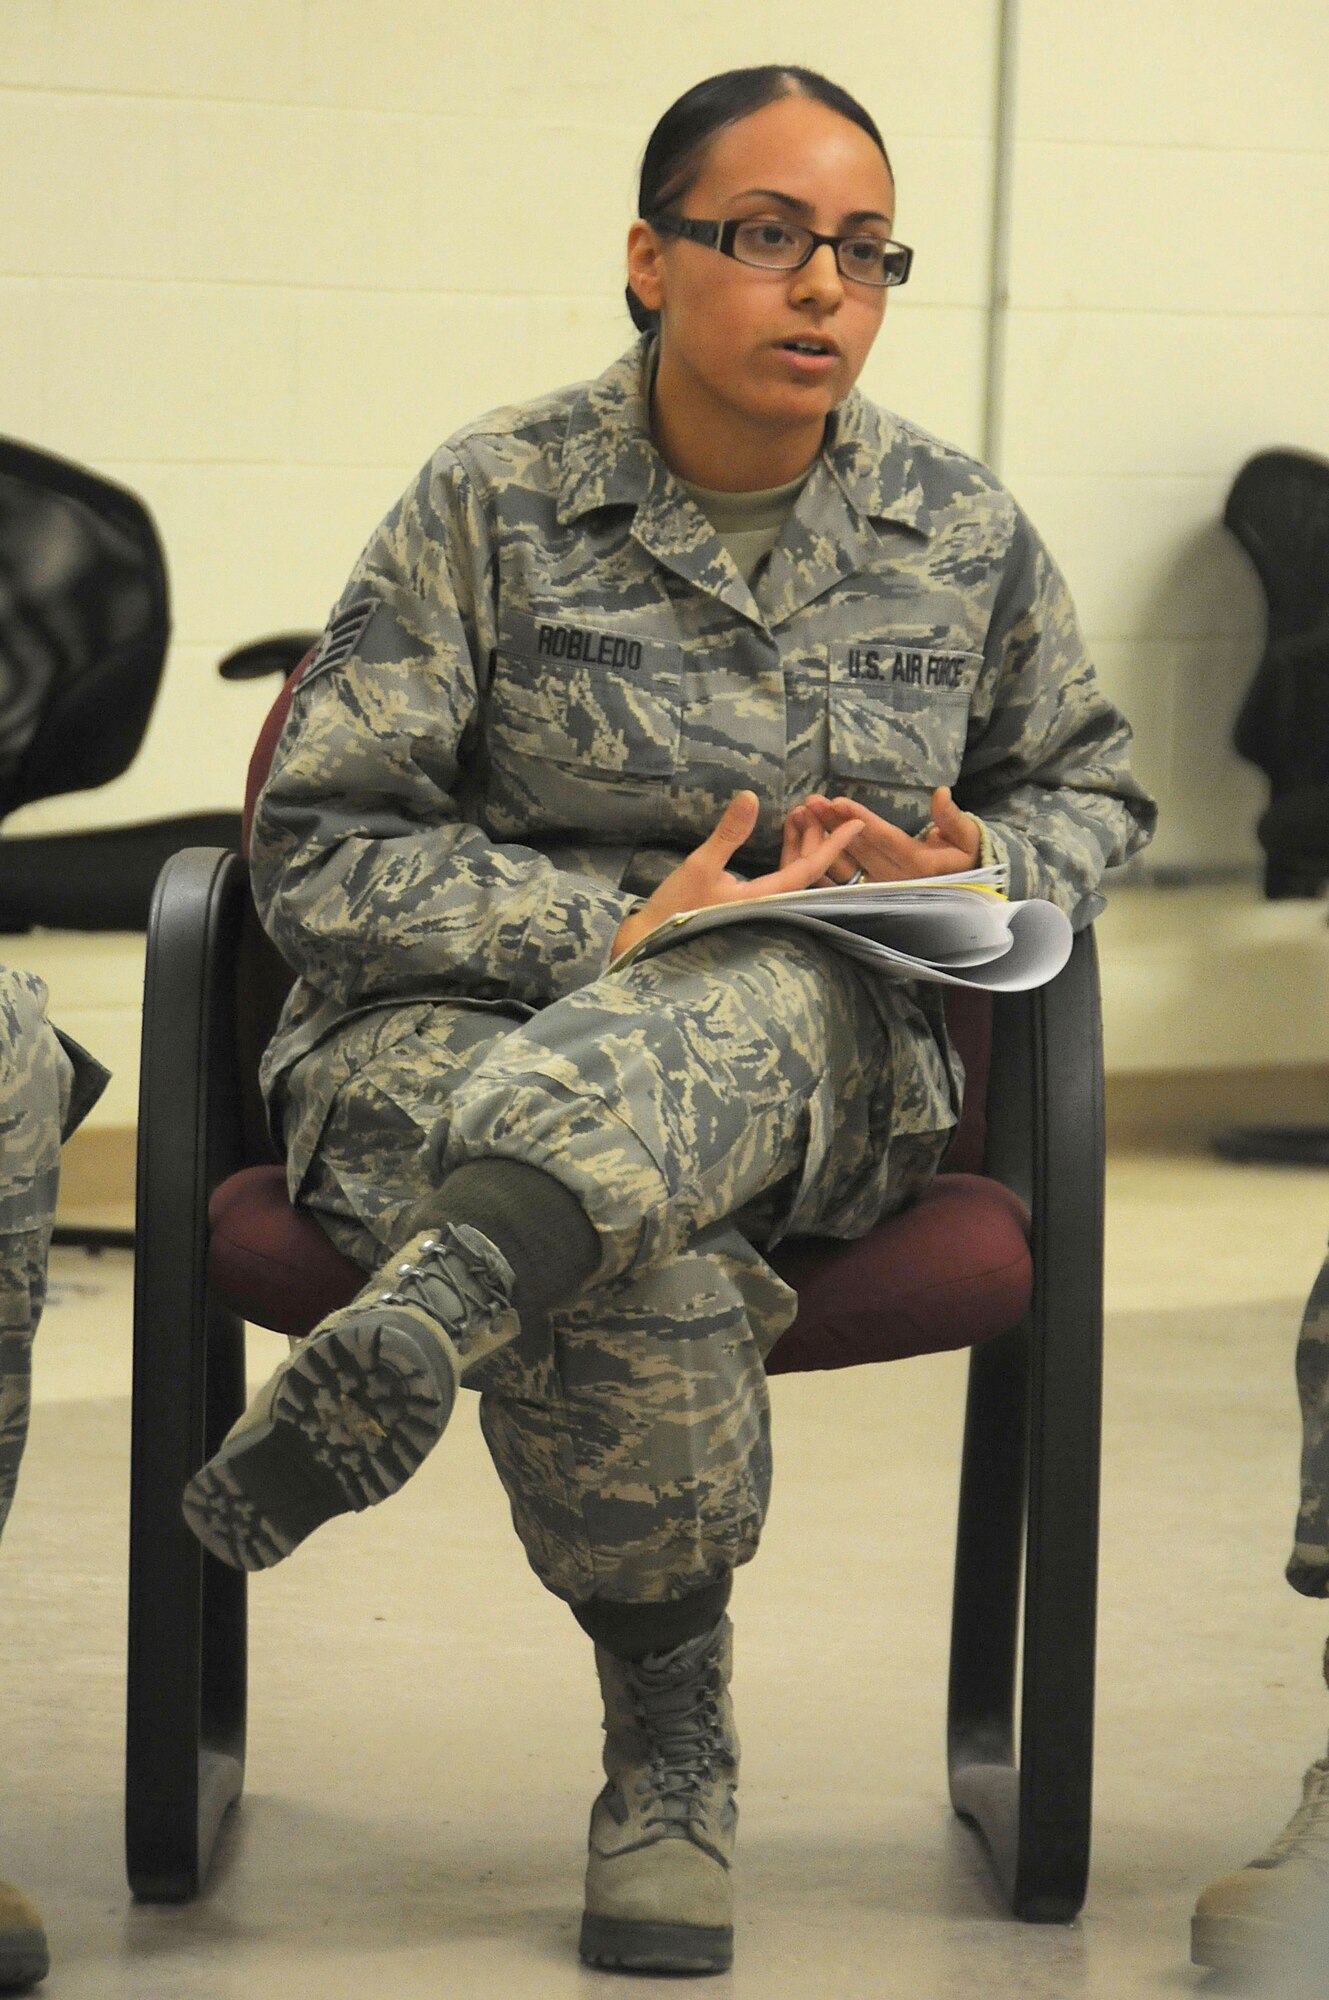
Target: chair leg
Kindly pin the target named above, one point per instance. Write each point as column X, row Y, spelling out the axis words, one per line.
column 223, row 1682
column 984, row 1781
column 1060, row 1622
column 187, row 1623
column 1031, row 1442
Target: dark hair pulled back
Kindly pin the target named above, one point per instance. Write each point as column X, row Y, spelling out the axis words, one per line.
column 677, row 147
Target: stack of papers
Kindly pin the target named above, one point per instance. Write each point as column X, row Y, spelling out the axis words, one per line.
column 956, row 930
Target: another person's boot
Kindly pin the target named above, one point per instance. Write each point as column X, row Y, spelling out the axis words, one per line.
column 659, row 1891
column 356, row 1407
column 23, row 1955
column 1276, row 1908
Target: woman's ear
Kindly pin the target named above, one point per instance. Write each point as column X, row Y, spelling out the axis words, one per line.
column 646, row 265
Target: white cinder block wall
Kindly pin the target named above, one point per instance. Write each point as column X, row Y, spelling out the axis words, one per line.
column 1170, row 317
column 263, row 257
column 257, row 258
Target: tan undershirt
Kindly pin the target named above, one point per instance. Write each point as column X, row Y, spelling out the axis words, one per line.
column 748, row 524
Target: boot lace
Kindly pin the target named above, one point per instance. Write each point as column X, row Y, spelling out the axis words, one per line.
column 453, row 1280
column 1306, row 1835
column 685, row 1741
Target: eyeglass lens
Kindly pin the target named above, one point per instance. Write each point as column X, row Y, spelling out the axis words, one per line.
column 781, row 246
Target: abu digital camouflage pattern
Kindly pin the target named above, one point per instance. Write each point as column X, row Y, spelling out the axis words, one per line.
column 45, row 1087
column 543, row 683
column 1308, row 1569
column 747, row 1084
column 546, row 678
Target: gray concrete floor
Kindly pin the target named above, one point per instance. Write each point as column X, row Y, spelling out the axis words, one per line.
column 424, row 1730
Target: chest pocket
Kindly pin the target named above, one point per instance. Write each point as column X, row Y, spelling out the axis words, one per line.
column 604, row 703
column 899, row 712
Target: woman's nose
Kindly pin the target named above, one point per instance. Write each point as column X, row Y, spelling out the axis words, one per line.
column 820, row 277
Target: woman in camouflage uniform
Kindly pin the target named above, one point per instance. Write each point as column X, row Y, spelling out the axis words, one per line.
column 712, row 607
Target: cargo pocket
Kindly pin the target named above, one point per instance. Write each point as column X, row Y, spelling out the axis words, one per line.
column 316, row 1085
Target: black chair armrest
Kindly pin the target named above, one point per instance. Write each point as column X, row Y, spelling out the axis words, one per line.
column 1045, row 1093
column 185, row 1735
column 189, row 1082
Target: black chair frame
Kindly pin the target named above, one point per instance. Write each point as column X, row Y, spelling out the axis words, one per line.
column 1026, row 1556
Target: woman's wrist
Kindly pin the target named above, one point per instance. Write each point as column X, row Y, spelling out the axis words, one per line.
column 629, row 932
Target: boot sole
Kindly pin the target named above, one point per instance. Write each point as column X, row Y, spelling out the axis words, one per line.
column 1220, row 1946
column 1246, row 1945
column 358, row 1411
column 24, row 1959
column 620, row 1943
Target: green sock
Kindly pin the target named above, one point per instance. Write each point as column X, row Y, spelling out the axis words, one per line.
column 539, row 1226
column 634, row 1631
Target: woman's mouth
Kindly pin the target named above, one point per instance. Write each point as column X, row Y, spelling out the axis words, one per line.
column 809, row 356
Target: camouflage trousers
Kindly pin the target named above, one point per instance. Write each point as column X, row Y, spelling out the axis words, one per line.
column 698, row 1105
column 36, row 1082
column 1308, row 1568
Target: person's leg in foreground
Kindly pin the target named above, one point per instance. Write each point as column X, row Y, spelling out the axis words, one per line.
column 1275, row 1911
column 37, row 1084
column 578, row 1265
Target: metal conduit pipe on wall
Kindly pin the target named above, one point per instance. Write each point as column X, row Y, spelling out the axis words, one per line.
column 999, row 275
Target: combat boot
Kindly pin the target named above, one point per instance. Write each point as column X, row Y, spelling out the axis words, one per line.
column 659, row 1893
column 356, row 1406
column 23, row 1955
column 1277, row 1906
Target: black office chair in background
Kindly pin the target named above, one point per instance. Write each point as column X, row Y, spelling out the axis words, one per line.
column 1278, row 510
column 84, row 623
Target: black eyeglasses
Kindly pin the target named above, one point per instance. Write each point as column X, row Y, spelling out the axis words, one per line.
column 787, row 246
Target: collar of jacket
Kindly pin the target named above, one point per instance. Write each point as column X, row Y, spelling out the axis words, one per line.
column 865, row 473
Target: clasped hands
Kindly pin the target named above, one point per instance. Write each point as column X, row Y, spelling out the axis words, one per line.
column 824, row 841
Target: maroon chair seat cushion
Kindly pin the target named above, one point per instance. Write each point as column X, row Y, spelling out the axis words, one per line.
column 949, row 1272
column 270, row 1261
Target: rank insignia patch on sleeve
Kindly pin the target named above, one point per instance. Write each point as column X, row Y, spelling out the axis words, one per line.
column 340, row 638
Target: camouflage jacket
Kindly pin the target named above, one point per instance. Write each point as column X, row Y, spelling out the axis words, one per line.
column 546, row 677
